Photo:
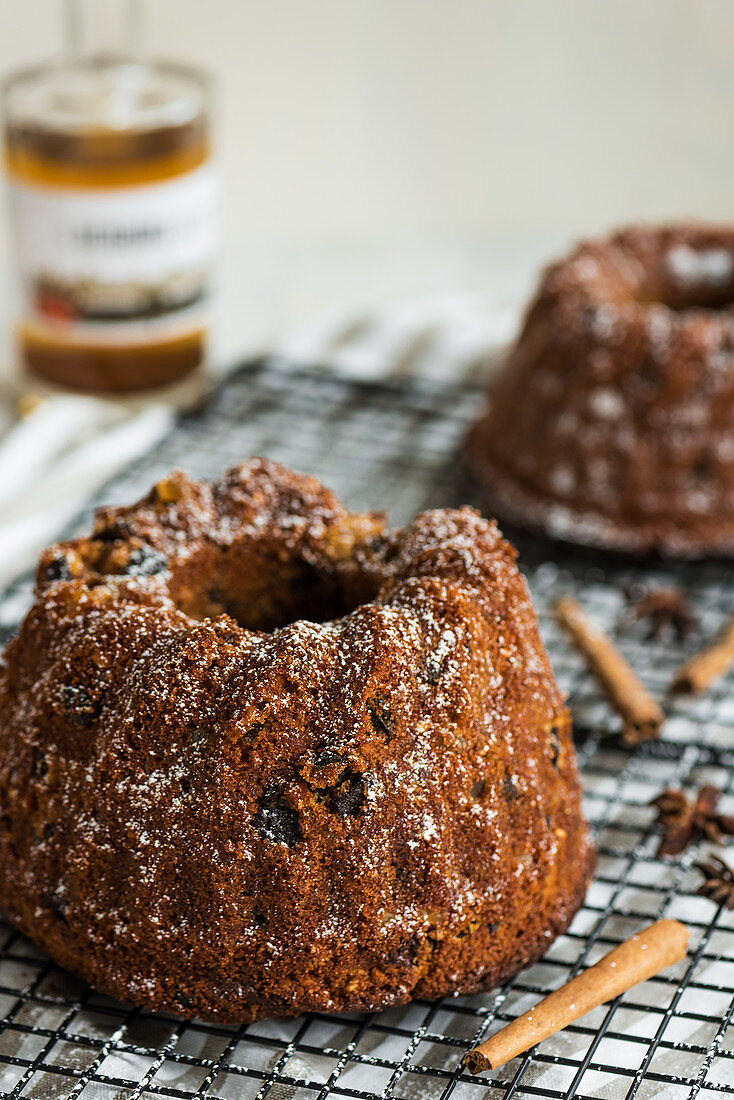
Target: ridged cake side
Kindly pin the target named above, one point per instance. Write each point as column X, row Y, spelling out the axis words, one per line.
column 230, row 823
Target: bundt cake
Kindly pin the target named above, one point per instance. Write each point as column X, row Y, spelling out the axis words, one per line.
column 612, row 421
column 259, row 756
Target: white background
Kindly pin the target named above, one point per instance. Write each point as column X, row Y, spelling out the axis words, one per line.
column 371, row 119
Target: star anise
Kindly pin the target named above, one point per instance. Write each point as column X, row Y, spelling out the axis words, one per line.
column 686, row 821
column 666, row 609
column 718, row 881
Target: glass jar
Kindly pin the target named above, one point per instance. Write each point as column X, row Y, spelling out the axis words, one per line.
column 113, row 211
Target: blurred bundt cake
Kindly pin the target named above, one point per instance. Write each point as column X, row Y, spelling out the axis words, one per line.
column 612, row 422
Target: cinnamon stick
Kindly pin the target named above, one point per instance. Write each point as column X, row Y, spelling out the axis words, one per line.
column 706, row 665
column 637, row 959
column 641, row 715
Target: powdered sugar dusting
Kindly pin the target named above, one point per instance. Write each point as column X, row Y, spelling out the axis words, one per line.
column 308, row 798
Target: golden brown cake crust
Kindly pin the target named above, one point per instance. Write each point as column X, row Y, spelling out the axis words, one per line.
column 211, row 808
column 612, row 421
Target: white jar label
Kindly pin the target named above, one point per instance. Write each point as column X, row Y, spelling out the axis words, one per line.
column 106, row 261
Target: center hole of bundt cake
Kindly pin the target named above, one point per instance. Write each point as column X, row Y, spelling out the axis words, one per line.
column 708, row 298
column 297, row 592
column 262, row 592
column 273, row 575
column 693, row 278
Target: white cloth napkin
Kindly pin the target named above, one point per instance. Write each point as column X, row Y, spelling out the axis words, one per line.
column 55, row 459
column 439, row 336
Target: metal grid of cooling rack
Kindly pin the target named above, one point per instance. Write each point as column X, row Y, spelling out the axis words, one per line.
column 396, row 447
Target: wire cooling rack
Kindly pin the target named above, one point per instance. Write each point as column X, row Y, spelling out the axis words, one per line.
column 396, row 446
